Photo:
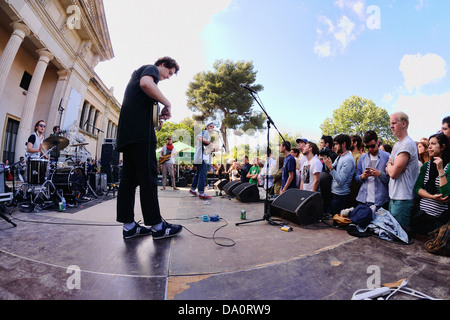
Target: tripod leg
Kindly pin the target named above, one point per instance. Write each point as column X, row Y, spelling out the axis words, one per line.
column 4, row 217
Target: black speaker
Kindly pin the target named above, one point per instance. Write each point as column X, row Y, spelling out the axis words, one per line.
column 298, row 206
column 220, row 184
column 229, row 187
column 246, row 192
column 109, row 154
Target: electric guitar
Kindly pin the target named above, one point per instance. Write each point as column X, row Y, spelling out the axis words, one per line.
column 166, row 157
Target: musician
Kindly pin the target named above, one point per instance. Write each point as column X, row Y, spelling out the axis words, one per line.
column 167, row 165
column 34, row 148
column 55, row 153
column 136, row 139
column 202, row 158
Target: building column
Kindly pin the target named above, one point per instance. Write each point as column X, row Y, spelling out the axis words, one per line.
column 6, row 60
column 54, row 115
column 26, row 122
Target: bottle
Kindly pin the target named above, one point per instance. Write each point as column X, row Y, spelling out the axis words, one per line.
column 64, row 203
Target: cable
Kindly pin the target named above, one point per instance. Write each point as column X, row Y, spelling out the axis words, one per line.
column 214, row 238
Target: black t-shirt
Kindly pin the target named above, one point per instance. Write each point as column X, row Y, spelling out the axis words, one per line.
column 244, row 171
column 135, row 121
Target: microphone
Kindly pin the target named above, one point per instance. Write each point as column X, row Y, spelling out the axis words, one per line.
column 243, row 85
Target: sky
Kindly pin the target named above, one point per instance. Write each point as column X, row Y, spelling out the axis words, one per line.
column 310, row 55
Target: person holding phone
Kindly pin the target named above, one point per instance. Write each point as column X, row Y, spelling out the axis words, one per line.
column 371, row 174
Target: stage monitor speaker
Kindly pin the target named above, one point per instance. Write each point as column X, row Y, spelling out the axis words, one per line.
column 229, row 187
column 298, row 206
column 246, row 192
column 220, row 184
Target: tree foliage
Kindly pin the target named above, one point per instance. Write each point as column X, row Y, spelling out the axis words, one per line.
column 356, row 116
column 217, row 95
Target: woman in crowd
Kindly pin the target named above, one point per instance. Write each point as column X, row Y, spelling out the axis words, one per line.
column 234, row 172
column 422, row 148
column 433, row 188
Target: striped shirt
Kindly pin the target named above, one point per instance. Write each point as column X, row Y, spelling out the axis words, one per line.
column 430, row 206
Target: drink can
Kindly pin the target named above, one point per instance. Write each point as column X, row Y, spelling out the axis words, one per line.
column 61, row 206
column 243, row 214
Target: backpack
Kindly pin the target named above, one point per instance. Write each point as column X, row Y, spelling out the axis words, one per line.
column 362, row 215
column 439, row 243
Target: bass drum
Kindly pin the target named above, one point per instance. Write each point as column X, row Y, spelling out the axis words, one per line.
column 71, row 180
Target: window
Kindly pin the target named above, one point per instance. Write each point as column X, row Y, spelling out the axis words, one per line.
column 26, row 80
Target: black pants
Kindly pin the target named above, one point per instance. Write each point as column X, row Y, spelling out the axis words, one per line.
column 140, row 168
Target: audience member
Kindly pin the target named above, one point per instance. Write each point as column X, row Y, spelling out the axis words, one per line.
column 403, row 170
column 386, row 147
column 371, row 174
column 267, row 171
column 233, row 172
column 311, row 168
column 245, row 168
column 327, row 142
column 253, row 173
column 422, row 149
column 342, row 171
column 278, row 174
column 295, row 152
column 446, row 126
column 433, row 188
column 288, row 179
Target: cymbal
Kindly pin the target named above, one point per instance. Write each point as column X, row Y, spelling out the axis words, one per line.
column 59, row 141
column 79, row 144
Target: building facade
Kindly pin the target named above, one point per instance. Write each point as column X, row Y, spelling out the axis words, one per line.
column 48, row 52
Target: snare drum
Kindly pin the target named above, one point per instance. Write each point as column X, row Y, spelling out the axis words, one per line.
column 37, row 171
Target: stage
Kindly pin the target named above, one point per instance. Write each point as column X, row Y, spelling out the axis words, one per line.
column 80, row 255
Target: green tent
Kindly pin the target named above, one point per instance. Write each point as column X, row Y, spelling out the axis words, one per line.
column 184, row 156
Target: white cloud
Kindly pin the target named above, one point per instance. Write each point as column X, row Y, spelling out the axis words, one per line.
column 346, row 32
column 339, row 34
column 420, row 70
column 425, row 113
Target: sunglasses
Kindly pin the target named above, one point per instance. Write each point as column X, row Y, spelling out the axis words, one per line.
column 372, row 146
column 42, row 125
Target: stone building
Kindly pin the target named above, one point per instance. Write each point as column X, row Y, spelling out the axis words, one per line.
column 48, row 52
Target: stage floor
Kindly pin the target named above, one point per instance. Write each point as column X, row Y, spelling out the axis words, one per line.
column 81, row 255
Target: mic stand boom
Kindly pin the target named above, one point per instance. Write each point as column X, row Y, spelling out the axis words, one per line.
column 267, row 214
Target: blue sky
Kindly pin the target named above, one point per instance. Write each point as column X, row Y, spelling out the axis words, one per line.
column 310, row 55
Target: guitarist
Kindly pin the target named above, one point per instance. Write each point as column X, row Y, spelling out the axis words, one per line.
column 167, row 166
column 136, row 139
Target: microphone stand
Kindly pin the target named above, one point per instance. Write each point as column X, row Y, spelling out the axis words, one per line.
column 267, row 214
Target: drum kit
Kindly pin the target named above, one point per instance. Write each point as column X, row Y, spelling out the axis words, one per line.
column 48, row 182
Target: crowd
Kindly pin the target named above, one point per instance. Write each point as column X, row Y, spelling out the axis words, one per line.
column 409, row 179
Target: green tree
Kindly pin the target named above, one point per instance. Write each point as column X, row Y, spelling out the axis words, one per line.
column 356, row 116
column 217, row 95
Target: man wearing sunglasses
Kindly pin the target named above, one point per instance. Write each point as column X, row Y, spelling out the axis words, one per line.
column 371, row 174
column 34, row 144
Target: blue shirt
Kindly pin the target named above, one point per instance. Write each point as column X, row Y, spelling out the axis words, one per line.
column 289, row 165
column 344, row 170
column 381, row 182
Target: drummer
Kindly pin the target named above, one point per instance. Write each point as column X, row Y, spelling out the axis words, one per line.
column 54, row 155
column 35, row 148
